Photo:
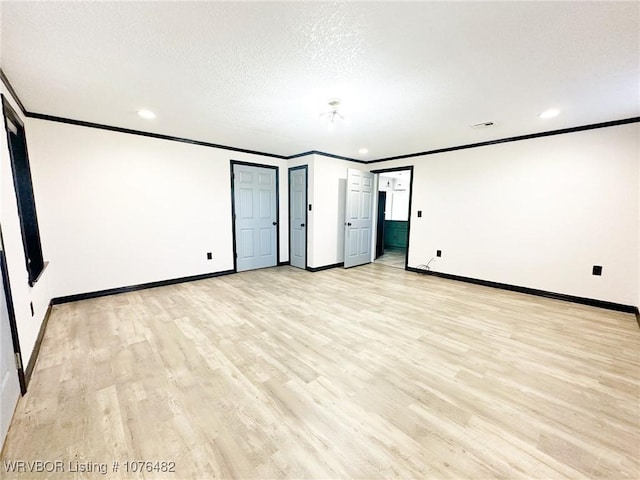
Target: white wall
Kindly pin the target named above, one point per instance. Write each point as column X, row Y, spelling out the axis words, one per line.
column 28, row 325
column 383, row 180
column 329, row 180
column 537, row 213
column 119, row 209
column 382, row 187
column 397, row 199
column 400, row 209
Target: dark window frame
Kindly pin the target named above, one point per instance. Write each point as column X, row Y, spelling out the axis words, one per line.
column 23, row 185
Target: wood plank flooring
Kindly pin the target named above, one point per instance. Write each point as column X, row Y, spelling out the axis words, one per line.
column 371, row 372
column 393, row 258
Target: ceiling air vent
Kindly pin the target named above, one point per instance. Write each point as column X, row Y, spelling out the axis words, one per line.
column 483, row 125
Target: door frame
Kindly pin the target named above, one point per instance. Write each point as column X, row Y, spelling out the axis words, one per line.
column 233, row 208
column 401, row 169
column 306, row 211
column 380, row 224
column 6, row 284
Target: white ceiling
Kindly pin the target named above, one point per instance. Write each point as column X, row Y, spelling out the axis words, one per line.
column 412, row 76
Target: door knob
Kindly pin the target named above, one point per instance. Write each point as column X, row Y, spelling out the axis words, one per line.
column 302, row 224
column 274, row 223
column 349, row 224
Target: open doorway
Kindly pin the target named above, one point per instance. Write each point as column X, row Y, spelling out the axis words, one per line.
column 393, row 216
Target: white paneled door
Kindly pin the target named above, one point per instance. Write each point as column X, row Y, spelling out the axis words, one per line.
column 298, row 216
column 9, row 380
column 358, row 222
column 256, row 217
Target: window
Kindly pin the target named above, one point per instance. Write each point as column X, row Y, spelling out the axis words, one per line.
column 17, row 143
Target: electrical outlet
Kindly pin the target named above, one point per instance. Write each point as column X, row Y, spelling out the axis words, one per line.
column 438, row 253
column 597, row 270
column 209, row 256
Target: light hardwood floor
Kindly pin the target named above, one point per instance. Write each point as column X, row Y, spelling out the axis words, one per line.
column 371, row 372
column 393, row 258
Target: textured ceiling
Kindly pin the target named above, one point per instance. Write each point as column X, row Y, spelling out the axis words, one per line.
column 412, row 76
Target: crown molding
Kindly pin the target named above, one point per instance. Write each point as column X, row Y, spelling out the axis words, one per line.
column 53, row 118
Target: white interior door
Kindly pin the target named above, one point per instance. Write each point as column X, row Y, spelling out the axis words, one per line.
column 9, row 382
column 256, row 217
column 298, row 217
column 358, row 218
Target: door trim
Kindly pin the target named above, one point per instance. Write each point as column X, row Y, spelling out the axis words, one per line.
column 306, row 211
column 6, row 284
column 401, row 169
column 380, row 224
column 233, row 208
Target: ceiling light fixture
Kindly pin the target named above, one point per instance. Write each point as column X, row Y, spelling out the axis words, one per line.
column 148, row 114
column 333, row 112
column 552, row 112
column 363, row 151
